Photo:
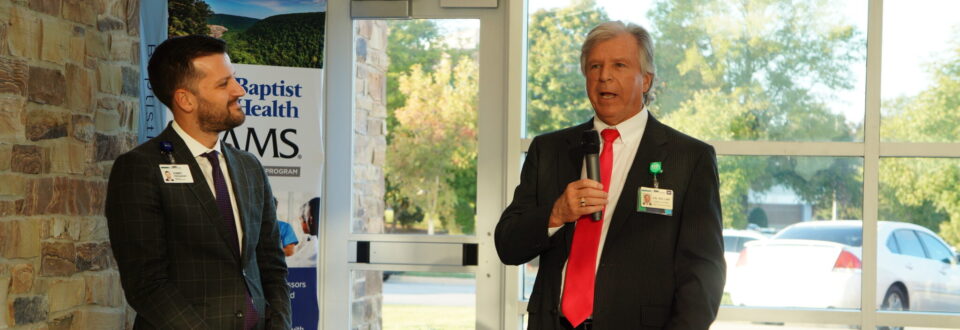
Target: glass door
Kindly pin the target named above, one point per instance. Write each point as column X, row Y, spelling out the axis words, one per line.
column 409, row 241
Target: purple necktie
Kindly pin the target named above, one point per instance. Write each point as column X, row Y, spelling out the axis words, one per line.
column 226, row 209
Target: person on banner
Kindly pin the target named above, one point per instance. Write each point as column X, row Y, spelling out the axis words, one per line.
column 306, row 254
column 656, row 266
column 201, row 252
column 288, row 238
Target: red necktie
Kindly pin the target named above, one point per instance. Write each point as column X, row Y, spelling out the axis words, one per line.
column 578, row 286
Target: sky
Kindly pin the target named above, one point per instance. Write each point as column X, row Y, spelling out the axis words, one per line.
column 265, row 8
column 914, row 33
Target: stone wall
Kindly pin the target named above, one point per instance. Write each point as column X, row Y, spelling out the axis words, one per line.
column 69, row 79
column 369, row 158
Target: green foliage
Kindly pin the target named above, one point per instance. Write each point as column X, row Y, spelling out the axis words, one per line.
column 232, row 22
column 435, row 141
column 294, row 40
column 419, row 44
column 758, row 217
column 556, row 92
column 187, row 17
column 925, row 191
column 729, row 70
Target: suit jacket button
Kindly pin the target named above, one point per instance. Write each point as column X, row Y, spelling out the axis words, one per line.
column 239, row 315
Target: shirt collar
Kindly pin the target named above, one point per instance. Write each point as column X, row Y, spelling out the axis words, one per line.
column 197, row 149
column 631, row 130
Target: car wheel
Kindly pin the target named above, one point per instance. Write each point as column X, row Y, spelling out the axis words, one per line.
column 894, row 300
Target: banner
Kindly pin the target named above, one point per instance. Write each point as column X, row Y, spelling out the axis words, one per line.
column 276, row 48
column 153, row 31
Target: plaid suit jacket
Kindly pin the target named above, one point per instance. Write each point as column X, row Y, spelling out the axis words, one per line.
column 176, row 267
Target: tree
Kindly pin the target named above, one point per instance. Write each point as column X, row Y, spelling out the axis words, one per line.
column 435, row 137
column 925, row 191
column 751, row 70
column 420, row 42
column 188, row 17
column 556, row 91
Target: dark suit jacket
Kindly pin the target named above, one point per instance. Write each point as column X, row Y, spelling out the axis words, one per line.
column 655, row 271
column 176, row 267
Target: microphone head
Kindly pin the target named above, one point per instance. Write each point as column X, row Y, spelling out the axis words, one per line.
column 590, row 142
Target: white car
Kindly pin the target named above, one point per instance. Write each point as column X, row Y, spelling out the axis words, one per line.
column 733, row 241
column 818, row 265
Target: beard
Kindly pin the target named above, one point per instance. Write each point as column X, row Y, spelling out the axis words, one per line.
column 217, row 119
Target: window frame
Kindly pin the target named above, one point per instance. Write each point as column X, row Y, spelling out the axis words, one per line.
column 871, row 150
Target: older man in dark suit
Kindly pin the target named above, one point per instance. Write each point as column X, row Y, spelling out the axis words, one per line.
column 199, row 250
column 654, row 262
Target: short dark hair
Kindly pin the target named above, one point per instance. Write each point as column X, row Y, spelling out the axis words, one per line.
column 313, row 207
column 171, row 65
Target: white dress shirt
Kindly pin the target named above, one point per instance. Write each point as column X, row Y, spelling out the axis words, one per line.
column 624, row 150
column 197, row 149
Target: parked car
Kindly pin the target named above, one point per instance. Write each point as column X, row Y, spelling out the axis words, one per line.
column 818, row 265
column 733, row 241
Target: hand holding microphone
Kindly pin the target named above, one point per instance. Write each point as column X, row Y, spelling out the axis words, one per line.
column 584, row 196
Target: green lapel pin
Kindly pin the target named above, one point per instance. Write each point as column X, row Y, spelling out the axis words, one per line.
column 656, row 168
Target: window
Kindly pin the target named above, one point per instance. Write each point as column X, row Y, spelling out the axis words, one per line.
column 935, row 249
column 909, row 244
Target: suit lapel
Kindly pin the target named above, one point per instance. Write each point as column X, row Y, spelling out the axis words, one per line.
column 651, row 149
column 570, row 169
column 199, row 187
column 238, row 176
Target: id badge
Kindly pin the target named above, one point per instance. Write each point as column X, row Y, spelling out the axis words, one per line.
column 655, row 201
column 176, row 173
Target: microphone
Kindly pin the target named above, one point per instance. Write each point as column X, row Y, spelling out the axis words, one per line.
column 590, row 142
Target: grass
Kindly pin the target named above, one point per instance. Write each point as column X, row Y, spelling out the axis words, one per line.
column 428, row 317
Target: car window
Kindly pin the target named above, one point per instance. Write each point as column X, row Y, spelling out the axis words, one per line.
column 892, row 244
column 730, row 244
column 936, row 249
column 851, row 236
column 909, row 243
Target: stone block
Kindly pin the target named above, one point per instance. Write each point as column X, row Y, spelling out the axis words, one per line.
column 3, row 34
column 58, row 259
column 9, row 208
column 6, row 151
column 131, row 82
column 55, row 37
column 103, row 288
column 135, row 52
column 80, row 11
column 11, row 128
column 90, row 197
column 23, row 32
column 97, row 45
column 108, row 147
column 22, row 278
column 4, row 289
column 14, row 75
column 80, row 90
column 19, row 239
column 66, row 294
column 69, row 157
column 29, row 159
column 107, row 23
column 28, row 310
column 132, row 17
column 82, row 128
column 107, row 122
column 63, row 322
column 100, row 319
column 13, row 185
column 77, row 47
column 44, row 125
column 109, row 78
column 93, row 256
column 49, row 7
column 119, row 47
column 93, row 229
column 47, row 86
column 63, row 228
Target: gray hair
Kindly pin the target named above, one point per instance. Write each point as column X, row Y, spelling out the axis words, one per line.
column 609, row 30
